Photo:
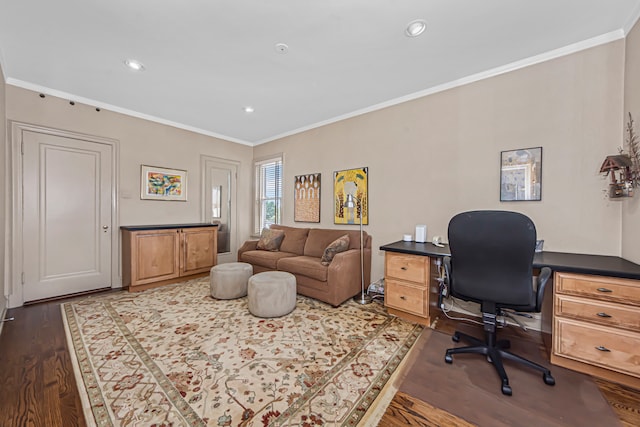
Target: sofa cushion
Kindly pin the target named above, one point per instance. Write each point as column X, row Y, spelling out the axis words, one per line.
column 270, row 240
column 319, row 239
column 341, row 244
column 266, row 259
column 304, row 266
column 294, row 238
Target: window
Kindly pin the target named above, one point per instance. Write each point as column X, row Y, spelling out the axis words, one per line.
column 268, row 185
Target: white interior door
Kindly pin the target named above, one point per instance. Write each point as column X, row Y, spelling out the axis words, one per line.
column 219, row 204
column 67, row 224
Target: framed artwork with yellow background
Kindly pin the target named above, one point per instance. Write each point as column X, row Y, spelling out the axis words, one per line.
column 352, row 182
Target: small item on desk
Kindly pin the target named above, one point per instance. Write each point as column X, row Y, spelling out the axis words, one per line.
column 421, row 233
column 437, row 241
column 407, row 238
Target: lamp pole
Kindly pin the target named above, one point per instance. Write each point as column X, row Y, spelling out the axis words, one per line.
column 363, row 298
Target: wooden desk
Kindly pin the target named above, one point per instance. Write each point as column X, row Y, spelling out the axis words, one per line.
column 594, row 318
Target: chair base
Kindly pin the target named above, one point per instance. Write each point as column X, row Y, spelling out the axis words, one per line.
column 495, row 352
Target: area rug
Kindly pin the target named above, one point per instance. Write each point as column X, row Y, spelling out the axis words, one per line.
column 174, row 356
column 469, row 388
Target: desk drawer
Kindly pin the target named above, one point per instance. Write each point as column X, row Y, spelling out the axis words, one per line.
column 406, row 297
column 604, row 313
column 602, row 346
column 626, row 291
column 413, row 268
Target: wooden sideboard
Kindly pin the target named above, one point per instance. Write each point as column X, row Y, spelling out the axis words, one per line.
column 594, row 314
column 155, row 255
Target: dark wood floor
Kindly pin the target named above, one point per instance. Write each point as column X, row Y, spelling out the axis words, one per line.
column 37, row 385
column 406, row 410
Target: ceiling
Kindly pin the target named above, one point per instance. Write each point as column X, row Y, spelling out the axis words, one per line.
column 205, row 60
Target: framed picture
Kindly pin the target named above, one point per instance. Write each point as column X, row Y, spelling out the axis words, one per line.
column 158, row 183
column 307, row 198
column 351, row 182
column 521, row 175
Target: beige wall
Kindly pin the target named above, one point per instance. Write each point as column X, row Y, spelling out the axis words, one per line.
column 142, row 142
column 438, row 155
column 3, row 191
column 631, row 207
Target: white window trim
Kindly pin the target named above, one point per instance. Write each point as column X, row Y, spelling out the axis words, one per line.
column 258, row 199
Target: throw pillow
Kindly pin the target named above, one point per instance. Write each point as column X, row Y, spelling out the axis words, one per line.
column 270, row 240
column 341, row 244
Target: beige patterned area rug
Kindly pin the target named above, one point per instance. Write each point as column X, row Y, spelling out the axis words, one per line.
column 174, row 356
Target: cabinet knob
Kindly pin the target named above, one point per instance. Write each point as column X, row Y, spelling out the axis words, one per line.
column 602, row 348
column 604, row 290
column 403, row 298
column 602, row 314
column 403, row 268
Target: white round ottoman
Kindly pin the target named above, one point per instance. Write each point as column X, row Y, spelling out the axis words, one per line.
column 272, row 293
column 229, row 281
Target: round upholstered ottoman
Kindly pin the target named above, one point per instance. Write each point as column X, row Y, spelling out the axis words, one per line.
column 272, row 293
column 229, row 281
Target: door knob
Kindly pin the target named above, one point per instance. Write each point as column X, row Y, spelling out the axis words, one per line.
column 105, row 228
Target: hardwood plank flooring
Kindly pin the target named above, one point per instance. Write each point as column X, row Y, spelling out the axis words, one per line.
column 37, row 384
column 38, row 388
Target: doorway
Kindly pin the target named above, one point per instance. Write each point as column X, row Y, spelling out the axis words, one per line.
column 219, row 203
column 65, row 214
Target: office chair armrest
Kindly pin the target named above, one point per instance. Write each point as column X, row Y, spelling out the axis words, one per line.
column 543, row 278
column 446, row 261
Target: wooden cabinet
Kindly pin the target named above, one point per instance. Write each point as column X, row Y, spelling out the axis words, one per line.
column 408, row 282
column 154, row 256
column 596, row 326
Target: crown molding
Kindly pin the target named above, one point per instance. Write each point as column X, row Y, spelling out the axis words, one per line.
column 64, row 95
column 633, row 19
column 533, row 60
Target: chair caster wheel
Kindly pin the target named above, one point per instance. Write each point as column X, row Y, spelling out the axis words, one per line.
column 455, row 338
column 548, row 379
column 506, row 389
column 448, row 358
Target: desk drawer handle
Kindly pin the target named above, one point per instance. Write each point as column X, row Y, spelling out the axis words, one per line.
column 602, row 348
column 601, row 314
column 403, row 298
column 403, row 268
column 604, row 290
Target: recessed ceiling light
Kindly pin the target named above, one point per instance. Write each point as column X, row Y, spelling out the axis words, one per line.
column 134, row 65
column 415, row 28
column 248, row 109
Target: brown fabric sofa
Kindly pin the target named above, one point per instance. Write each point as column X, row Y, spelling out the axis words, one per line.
column 300, row 253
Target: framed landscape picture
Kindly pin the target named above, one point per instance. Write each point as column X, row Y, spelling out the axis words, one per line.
column 157, row 183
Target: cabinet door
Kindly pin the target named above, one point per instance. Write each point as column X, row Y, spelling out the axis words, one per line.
column 198, row 250
column 154, row 256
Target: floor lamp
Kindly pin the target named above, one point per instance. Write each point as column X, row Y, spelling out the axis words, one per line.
column 363, row 298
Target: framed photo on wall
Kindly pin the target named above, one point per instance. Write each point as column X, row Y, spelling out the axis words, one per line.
column 307, row 198
column 157, row 183
column 521, row 175
column 352, row 182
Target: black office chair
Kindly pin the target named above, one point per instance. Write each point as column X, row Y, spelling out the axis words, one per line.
column 491, row 264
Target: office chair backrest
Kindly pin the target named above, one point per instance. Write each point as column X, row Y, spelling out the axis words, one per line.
column 491, row 257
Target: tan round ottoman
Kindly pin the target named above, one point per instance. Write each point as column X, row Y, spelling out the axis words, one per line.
column 229, row 281
column 272, row 293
